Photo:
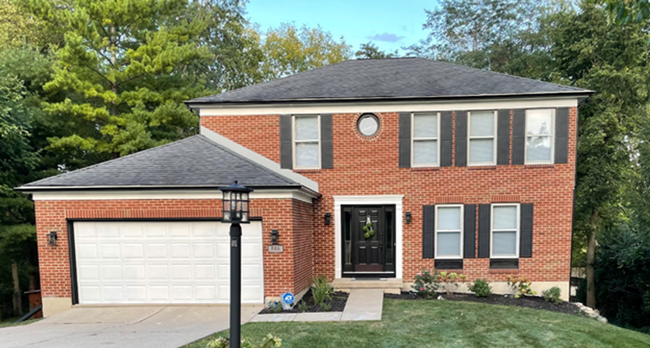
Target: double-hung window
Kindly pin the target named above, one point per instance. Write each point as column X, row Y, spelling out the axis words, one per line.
column 449, row 231
column 482, row 138
column 424, row 149
column 539, row 136
column 306, row 144
column 505, row 231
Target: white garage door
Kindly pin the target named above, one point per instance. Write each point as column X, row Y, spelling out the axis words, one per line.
column 164, row 262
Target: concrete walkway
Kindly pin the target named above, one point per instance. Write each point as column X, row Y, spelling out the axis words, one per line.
column 141, row 327
column 363, row 304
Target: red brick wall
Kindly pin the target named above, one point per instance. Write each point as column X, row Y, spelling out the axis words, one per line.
column 280, row 272
column 370, row 167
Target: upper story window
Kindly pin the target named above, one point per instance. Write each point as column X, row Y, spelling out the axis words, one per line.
column 449, row 231
column 539, row 136
column 425, row 144
column 306, row 144
column 482, row 138
column 505, row 231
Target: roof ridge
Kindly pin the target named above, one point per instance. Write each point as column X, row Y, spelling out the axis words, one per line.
column 264, row 168
column 45, row 180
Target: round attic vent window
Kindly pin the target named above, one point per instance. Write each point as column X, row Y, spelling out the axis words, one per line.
column 368, row 125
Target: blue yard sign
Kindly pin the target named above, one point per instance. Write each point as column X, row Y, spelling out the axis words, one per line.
column 287, row 298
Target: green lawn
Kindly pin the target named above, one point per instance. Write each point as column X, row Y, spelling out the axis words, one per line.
column 450, row 324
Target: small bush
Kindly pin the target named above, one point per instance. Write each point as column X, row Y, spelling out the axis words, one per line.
column 326, row 306
column 481, row 288
column 302, row 306
column 275, row 306
column 268, row 342
column 449, row 281
column 322, row 291
column 520, row 286
column 552, row 295
column 426, row 284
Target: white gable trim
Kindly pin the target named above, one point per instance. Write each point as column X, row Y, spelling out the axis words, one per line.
column 365, row 200
column 381, row 106
column 259, row 159
column 90, row 195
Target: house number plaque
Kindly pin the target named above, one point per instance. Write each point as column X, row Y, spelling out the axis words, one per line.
column 275, row 248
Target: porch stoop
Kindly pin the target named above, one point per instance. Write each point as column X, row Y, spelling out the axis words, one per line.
column 388, row 285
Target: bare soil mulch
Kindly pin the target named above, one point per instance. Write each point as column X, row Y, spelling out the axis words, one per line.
column 338, row 301
column 534, row 302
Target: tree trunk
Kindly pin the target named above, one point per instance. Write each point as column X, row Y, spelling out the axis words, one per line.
column 591, row 258
column 17, row 302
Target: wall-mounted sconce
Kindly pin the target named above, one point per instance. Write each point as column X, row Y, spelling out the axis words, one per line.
column 51, row 238
column 274, row 236
column 409, row 217
column 328, row 218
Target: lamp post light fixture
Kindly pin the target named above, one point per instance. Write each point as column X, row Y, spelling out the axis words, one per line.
column 235, row 211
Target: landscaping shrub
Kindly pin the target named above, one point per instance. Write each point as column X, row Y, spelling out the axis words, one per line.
column 552, row 295
column 520, row 286
column 449, row 281
column 302, row 306
column 426, row 284
column 481, row 288
column 321, row 291
column 268, row 342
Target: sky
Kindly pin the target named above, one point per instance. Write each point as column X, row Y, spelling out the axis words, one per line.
column 389, row 24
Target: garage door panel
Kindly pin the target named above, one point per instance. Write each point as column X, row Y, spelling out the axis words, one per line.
column 164, row 262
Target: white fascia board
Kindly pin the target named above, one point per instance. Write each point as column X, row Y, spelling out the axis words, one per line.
column 259, row 159
column 90, row 195
column 383, row 106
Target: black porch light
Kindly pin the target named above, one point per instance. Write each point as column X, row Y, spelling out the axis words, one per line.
column 409, row 217
column 235, row 211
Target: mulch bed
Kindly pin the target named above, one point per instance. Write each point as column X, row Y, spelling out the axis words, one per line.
column 534, row 302
column 338, row 301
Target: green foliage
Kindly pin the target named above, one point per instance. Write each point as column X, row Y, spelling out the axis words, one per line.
column 480, row 288
column 623, row 275
column 552, row 295
column 289, row 50
column 371, row 51
column 326, row 306
column 520, row 286
column 302, row 306
column 426, row 284
column 321, row 291
column 449, row 281
column 625, row 11
column 268, row 342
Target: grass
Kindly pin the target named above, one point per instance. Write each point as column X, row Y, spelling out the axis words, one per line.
column 11, row 322
column 449, row 324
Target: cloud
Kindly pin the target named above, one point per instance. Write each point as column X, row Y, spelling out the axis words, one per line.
column 385, row 37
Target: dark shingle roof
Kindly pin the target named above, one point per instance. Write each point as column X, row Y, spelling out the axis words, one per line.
column 398, row 78
column 192, row 162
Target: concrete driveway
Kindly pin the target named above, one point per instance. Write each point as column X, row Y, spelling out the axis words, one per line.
column 150, row 326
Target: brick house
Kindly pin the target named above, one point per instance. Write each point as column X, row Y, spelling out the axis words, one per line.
column 365, row 169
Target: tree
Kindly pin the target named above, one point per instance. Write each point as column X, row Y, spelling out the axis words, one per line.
column 625, row 11
column 126, row 68
column 289, row 50
column 371, row 51
column 17, row 28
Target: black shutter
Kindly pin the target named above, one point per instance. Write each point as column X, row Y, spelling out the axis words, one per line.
column 404, row 139
column 469, row 229
column 446, row 135
column 518, row 136
column 562, row 135
column 286, row 146
column 526, row 240
column 428, row 231
column 461, row 138
column 484, row 230
column 503, row 137
column 326, row 146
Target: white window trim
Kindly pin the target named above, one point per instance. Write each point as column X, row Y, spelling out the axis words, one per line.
column 453, row 257
column 552, row 136
column 492, row 230
column 413, row 140
column 294, row 141
column 470, row 138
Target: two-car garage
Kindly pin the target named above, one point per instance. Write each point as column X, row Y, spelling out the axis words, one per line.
column 166, row 262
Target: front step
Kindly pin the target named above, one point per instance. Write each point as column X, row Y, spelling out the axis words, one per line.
column 388, row 285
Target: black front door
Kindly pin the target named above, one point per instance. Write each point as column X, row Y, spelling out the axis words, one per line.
column 369, row 240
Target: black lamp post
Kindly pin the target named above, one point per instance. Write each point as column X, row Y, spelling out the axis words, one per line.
column 235, row 211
